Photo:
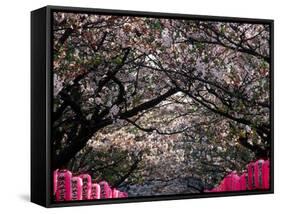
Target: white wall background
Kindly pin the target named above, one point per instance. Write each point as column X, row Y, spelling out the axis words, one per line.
column 15, row 105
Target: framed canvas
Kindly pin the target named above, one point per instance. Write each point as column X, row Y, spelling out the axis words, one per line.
column 133, row 106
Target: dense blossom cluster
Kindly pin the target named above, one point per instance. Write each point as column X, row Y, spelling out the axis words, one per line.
column 140, row 99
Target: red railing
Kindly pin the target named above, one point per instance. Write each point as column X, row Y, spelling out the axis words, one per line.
column 68, row 187
column 256, row 177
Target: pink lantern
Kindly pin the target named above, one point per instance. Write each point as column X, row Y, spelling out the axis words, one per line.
column 115, row 193
column 257, row 174
column 76, row 184
column 95, row 191
column 265, row 175
column 218, row 188
column 256, row 177
column 55, row 178
column 251, row 168
column 122, row 195
column 63, row 191
column 227, row 183
column 211, row 190
column 243, row 181
column 105, row 190
column 230, row 183
column 87, row 185
column 235, row 179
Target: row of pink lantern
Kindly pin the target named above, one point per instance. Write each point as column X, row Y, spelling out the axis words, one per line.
column 256, row 177
column 68, row 187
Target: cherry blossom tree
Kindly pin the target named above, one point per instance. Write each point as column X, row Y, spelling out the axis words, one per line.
column 139, row 98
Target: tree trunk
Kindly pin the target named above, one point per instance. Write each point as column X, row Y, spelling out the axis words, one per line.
column 61, row 160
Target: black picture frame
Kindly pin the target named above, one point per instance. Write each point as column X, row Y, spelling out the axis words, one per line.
column 41, row 104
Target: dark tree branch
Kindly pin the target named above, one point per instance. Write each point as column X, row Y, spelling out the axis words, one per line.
column 57, row 114
column 111, row 74
column 87, row 132
column 148, row 104
column 234, row 48
column 68, row 101
column 259, row 152
column 63, row 38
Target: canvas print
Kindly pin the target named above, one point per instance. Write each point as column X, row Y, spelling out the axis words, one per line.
column 147, row 106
